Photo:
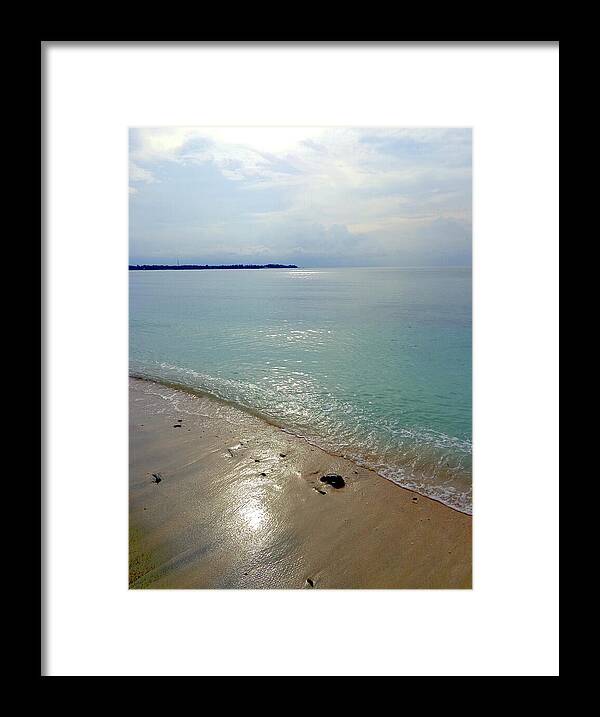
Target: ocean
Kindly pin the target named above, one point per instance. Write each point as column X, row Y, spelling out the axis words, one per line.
column 373, row 364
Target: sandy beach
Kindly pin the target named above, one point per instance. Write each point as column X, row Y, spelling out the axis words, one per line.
column 219, row 498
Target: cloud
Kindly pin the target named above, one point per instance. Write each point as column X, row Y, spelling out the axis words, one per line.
column 139, row 174
column 324, row 195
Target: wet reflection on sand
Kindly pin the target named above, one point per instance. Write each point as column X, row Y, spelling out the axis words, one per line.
column 241, row 505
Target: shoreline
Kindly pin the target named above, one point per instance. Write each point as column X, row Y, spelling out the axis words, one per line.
column 271, row 421
column 240, row 504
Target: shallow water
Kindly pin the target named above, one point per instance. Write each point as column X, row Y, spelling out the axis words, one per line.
column 372, row 364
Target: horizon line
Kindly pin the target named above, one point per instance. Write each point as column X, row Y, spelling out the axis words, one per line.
column 317, row 266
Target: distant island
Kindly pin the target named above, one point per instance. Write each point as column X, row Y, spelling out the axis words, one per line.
column 171, row 267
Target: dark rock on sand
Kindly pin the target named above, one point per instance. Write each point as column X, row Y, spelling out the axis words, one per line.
column 334, row 481
column 263, row 474
column 322, row 492
column 310, row 583
column 156, row 478
column 177, row 425
column 282, row 455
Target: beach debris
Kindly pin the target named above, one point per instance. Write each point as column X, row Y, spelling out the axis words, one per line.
column 156, row 478
column 310, row 582
column 322, row 492
column 414, row 499
column 334, row 481
column 177, row 425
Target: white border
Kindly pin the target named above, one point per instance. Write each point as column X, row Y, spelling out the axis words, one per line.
column 508, row 624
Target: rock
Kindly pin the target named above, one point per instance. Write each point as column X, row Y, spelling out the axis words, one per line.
column 322, row 492
column 282, row 455
column 156, row 478
column 333, row 481
column 177, row 425
column 263, row 474
column 310, row 582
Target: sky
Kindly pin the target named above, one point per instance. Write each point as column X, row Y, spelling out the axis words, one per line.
column 307, row 196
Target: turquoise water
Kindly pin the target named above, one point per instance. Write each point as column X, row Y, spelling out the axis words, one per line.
column 372, row 364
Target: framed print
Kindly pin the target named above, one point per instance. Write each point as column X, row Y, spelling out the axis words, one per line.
column 300, row 358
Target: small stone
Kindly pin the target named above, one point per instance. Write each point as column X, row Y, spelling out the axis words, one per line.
column 263, row 474
column 310, row 583
column 156, row 478
column 333, row 480
column 282, row 455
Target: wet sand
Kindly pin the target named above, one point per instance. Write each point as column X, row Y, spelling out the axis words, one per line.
column 239, row 504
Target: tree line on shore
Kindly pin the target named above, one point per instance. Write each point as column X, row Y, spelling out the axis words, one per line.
column 167, row 267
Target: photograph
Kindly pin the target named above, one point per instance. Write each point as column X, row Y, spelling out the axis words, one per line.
column 300, row 357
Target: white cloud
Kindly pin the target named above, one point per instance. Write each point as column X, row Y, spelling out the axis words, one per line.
column 139, row 174
column 260, row 186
